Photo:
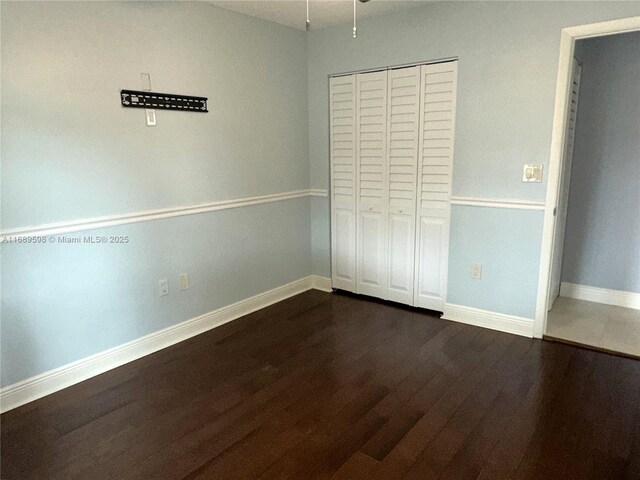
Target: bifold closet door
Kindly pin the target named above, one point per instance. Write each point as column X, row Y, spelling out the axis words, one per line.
column 371, row 178
column 342, row 107
column 391, row 158
column 402, row 153
column 435, row 159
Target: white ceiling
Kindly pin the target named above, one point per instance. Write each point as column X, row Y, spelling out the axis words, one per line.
column 322, row 13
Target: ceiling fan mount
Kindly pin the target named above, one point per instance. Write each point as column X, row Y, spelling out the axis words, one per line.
column 355, row 30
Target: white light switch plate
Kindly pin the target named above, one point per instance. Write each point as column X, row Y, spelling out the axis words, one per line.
column 150, row 115
column 532, row 173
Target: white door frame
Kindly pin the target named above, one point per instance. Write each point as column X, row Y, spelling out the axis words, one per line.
column 568, row 38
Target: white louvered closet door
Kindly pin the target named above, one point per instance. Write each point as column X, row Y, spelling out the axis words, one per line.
column 372, row 197
column 435, row 160
column 565, row 181
column 343, row 181
column 402, row 154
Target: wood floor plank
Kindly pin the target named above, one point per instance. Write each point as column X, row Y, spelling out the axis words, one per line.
column 442, row 397
column 457, row 433
column 507, row 453
column 356, row 468
column 339, row 386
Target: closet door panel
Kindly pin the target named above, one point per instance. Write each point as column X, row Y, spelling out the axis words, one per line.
column 401, row 258
column 343, row 182
column 372, row 180
column 371, row 233
column 402, row 153
column 435, row 161
column 433, row 233
column 344, row 236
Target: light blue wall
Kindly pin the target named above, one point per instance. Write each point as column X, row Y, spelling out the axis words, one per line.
column 508, row 276
column 70, row 151
column 63, row 302
column 320, row 236
column 602, row 242
column 91, row 157
column 508, row 67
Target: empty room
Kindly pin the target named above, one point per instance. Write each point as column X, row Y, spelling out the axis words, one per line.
column 319, row 239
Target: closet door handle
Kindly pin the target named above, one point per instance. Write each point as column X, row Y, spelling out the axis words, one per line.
column 400, row 210
column 370, row 208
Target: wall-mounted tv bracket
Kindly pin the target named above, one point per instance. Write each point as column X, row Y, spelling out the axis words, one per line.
column 166, row 101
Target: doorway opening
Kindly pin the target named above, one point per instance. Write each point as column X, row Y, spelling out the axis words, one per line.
column 590, row 273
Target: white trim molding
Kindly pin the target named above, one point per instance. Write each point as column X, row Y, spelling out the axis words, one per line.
column 487, row 319
column 319, row 192
column 497, row 203
column 147, row 215
column 568, row 37
column 31, row 389
column 600, row 295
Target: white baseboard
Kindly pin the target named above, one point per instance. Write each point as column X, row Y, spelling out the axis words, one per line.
column 321, row 283
column 600, row 295
column 493, row 320
column 31, row 389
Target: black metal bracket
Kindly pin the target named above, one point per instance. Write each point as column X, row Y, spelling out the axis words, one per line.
column 165, row 101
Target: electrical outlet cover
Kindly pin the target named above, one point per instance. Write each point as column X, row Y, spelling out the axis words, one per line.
column 476, row 271
column 184, row 281
column 164, row 287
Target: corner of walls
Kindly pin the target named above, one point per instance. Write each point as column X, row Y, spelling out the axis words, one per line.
column 320, row 236
column 45, row 383
column 318, row 176
column 63, row 302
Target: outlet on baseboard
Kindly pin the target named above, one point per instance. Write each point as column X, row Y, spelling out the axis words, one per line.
column 184, row 281
column 476, row 271
column 164, row 287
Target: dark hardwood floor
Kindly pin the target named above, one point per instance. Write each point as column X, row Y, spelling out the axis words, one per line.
column 334, row 386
